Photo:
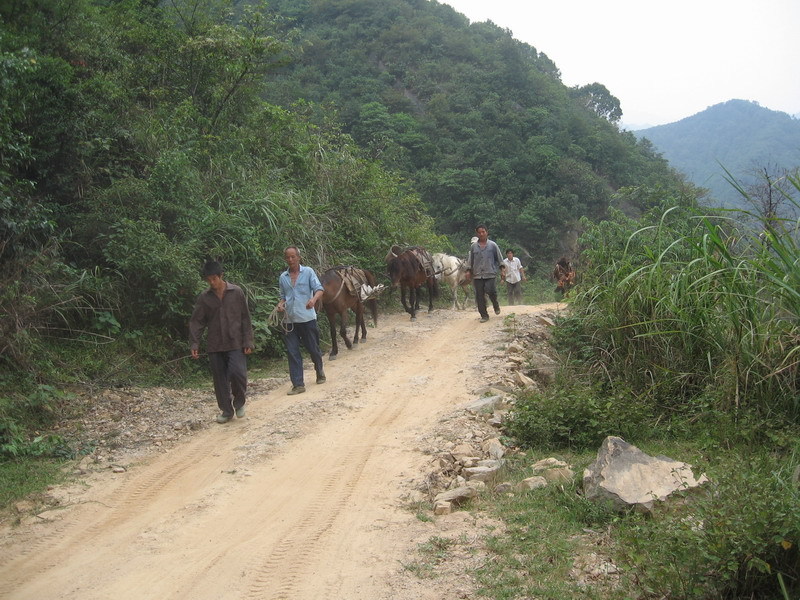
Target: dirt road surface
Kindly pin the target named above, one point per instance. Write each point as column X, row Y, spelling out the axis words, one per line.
column 306, row 498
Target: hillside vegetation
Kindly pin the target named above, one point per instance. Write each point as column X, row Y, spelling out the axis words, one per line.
column 478, row 121
column 735, row 139
column 133, row 144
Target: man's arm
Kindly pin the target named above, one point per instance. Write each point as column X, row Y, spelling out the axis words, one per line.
column 316, row 288
column 247, row 327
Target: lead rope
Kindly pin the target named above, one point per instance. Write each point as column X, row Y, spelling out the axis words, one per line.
column 279, row 322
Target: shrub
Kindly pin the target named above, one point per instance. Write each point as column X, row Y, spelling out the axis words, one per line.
column 575, row 415
column 738, row 540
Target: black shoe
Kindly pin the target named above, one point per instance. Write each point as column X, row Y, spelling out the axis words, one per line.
column 484, row 319
column 321, row 378
column 298, row 389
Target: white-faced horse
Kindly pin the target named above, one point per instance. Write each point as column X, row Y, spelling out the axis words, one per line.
column 452, row 271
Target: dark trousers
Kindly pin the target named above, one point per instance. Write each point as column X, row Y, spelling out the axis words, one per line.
column 482, row 288
column 514, row 292
column 229, row 371
column 306, row 334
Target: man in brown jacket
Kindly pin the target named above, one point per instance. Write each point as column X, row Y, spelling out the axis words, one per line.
column 222, row 310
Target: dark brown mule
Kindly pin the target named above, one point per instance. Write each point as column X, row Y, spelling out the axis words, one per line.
column 410, row 270
column 338, row 297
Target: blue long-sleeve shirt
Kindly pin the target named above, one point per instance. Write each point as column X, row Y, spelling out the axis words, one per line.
column 296, row 297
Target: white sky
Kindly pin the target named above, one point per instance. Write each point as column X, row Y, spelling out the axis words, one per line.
column 664, row 60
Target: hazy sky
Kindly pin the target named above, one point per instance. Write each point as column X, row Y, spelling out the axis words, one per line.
column 663, row 60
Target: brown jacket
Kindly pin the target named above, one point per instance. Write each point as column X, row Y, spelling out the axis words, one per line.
column 227, row 321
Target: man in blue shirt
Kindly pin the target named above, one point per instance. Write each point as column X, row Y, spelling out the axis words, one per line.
column 300, row 290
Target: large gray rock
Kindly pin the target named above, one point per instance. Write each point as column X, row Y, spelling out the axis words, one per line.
column 485, row 403
column 628, row 477
column 456, row 496
column 481, row 473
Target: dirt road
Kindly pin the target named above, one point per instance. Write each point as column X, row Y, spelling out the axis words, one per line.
column 303, row 499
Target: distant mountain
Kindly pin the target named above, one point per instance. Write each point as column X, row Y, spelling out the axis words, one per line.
column 738, row 135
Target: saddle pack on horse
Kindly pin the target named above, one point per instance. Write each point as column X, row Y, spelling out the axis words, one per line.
column 422, row 256
column 356, row 282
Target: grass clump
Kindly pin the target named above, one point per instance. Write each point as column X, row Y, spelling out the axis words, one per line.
column 22, row 478
column 534, row 555
column 575, row 415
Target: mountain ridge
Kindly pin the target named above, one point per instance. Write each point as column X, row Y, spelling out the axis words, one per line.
column 739, row 136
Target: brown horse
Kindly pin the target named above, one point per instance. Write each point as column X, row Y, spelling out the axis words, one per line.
column 342, row 285
column 410, row 269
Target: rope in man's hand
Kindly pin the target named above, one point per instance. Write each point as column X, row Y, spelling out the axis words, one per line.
column 279, row 322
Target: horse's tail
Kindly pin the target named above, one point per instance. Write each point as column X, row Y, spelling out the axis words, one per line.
column 373, row 309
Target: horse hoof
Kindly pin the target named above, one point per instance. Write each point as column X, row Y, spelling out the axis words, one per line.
column 333, row 356
column 413, row 318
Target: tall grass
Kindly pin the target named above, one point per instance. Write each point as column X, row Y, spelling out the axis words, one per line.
column 696, row 306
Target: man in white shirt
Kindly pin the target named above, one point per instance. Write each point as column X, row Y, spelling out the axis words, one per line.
column 515, row 275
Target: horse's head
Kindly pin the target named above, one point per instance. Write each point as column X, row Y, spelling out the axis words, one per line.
column 438, row 264
column 394, row 268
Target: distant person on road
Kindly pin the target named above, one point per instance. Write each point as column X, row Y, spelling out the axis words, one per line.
column 222, row 311
column 300, row 290
column 564, row 274
column 515, row 275
column 483, row 263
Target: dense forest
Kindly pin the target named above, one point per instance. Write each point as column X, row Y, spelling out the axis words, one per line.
column 478, row 121
column 135, row 142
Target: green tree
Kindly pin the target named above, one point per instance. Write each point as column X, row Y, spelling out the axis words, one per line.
column 597, row 98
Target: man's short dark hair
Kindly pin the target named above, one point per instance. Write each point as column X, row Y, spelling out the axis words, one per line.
column 211, row 267
column 481, row 227
column 509, row 250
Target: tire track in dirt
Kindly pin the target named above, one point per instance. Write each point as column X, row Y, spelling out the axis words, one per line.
column 285, row 564
column 74, row 532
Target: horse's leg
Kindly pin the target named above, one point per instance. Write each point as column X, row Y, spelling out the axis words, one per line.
column 413, row 301
column 355, row 328
column 344, row 316
column 430, row 294
column 455, row 295
column 332, row 326
column 360, row 323
column 403, row 300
